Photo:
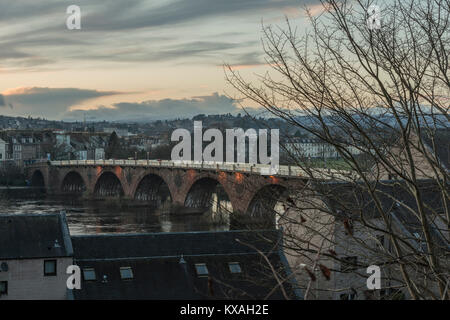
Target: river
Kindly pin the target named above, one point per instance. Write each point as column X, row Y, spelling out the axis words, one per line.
column 105, row 216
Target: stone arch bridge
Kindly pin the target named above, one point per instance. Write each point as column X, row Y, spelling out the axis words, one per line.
column 187, row 184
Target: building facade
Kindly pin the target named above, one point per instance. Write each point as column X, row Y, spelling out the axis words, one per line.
column 3, row 150
column 35, row 253
column 313, row 148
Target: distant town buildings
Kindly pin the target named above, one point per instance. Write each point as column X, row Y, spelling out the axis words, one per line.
column 313, row 148
column 144, row 142
column 80, row 145
column 119, row 132
column 28, row 145
column 24, row 145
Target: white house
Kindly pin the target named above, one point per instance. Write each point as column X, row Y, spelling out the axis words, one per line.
column 313, row 148
column 35, row 253
column 3, row 150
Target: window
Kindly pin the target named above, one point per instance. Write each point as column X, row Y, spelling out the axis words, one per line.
column 3, row 287
column 202, row 269
column 89, row 274
column 126, row 273
column 234, row 267
column 49, row 267
column 349, row 264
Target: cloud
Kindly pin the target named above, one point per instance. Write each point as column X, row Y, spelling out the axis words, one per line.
column 132, row 30
column 193, row 49
column 65, row 104
column 158, row 109
column 135, row 14
column 139, row 14
column 47, row 102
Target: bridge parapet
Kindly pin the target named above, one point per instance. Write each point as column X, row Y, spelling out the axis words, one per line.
column 286, row 171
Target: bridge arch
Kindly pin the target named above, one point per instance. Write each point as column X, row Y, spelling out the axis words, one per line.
column 108, row 185
column 73, row 183
column 209, row 193
column 152, row 187
column 37, row 179
column 266, row 205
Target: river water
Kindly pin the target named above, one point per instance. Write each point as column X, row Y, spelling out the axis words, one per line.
column 106, row 216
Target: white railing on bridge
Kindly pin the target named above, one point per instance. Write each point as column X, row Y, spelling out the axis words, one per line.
column 293, row 171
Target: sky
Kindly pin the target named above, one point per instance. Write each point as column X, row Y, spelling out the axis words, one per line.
column 133, row 59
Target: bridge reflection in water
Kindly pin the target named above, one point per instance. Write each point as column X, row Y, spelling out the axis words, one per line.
column 92, row 216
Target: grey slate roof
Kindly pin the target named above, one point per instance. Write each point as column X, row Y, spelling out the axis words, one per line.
column 164, row 278
column 112, row 246
column 29, row 236
column 158, row 274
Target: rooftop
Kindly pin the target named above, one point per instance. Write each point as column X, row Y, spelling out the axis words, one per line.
column 27, row 236
column 191, row 265
column 113, row 246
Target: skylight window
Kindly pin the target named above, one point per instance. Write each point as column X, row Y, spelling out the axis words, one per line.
column 202, row 269
column 49, row 267
column 126, row 273
column 89, row 274
column 235, row 267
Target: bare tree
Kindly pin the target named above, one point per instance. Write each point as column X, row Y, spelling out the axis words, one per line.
column 378, row 95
